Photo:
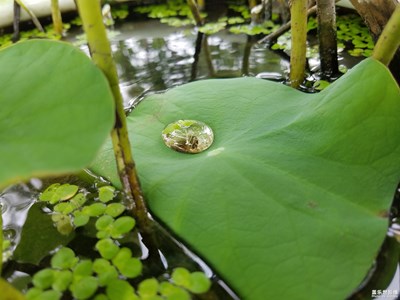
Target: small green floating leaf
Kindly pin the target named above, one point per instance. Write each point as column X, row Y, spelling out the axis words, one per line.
column 62, row 280
column 32, row 294
column 181, row 277
column 199, row 283
column 94, row 210
column 104, row 222
column 121, row 226
column 78, row 200
column 43, row 279
column 80, row 219
column 107, row 248
column 103, row 234
column 115, row 209
column 64, row 208
column 63, row 223
column 84, row 288
column 83, row 269
column 105, row 271
column 122, row 256
column 173, row 292
column 100, row 297
column 66, row 191
column 106, row 193
column 104, row 226
column 321, row 84
column 120, row 290
column 64, row 259
column 49, row 194
column 58, row 192
column 44, row 295
column 100, row 265
column 148, row 288
column 128, row 266
column 212, row 28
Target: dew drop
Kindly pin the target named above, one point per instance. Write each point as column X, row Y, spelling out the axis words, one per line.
column 188, row 136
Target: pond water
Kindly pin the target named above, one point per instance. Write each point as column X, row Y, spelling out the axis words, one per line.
column 152, row 57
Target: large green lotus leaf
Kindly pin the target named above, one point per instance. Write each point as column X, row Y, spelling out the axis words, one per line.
column 56, row 110
column 291, row 201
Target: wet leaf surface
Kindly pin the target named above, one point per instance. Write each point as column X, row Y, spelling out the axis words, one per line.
column 289, row 200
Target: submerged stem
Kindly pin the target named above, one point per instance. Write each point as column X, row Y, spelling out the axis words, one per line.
column 100, row 50
column 327, row 38
column 389, row 40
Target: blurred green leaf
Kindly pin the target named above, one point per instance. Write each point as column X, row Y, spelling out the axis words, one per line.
column 84, row 288
column 120, row 290
column 64, row 259
column 115, row 209
column 43, row 279
column 38, row 80
column 107, row 248
column 148, row 287
column 106, row 193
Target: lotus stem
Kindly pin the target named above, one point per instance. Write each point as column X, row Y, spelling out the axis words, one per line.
column 56, row 16
column 100, row 50
column 298, row 10
column 389, row 40
column 195, row 12
column 201, row 4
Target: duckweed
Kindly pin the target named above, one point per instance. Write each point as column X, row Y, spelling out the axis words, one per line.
column 82, row 277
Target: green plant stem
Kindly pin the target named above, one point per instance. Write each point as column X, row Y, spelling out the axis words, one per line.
column 201, row 4
column 252, row 3
column 389, row 40
column 56, row 16
column 298, row 10
column 195, row 12
column 100, row 50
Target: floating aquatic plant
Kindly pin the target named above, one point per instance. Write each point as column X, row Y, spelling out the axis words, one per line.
column 103, row 276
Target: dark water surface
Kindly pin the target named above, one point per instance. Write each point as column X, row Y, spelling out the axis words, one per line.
column 151, row 57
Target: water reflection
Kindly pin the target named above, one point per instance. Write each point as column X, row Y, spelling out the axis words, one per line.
column 15, row 203
column 154, row 57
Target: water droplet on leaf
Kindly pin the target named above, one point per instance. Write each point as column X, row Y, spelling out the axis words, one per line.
column 188, row 136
